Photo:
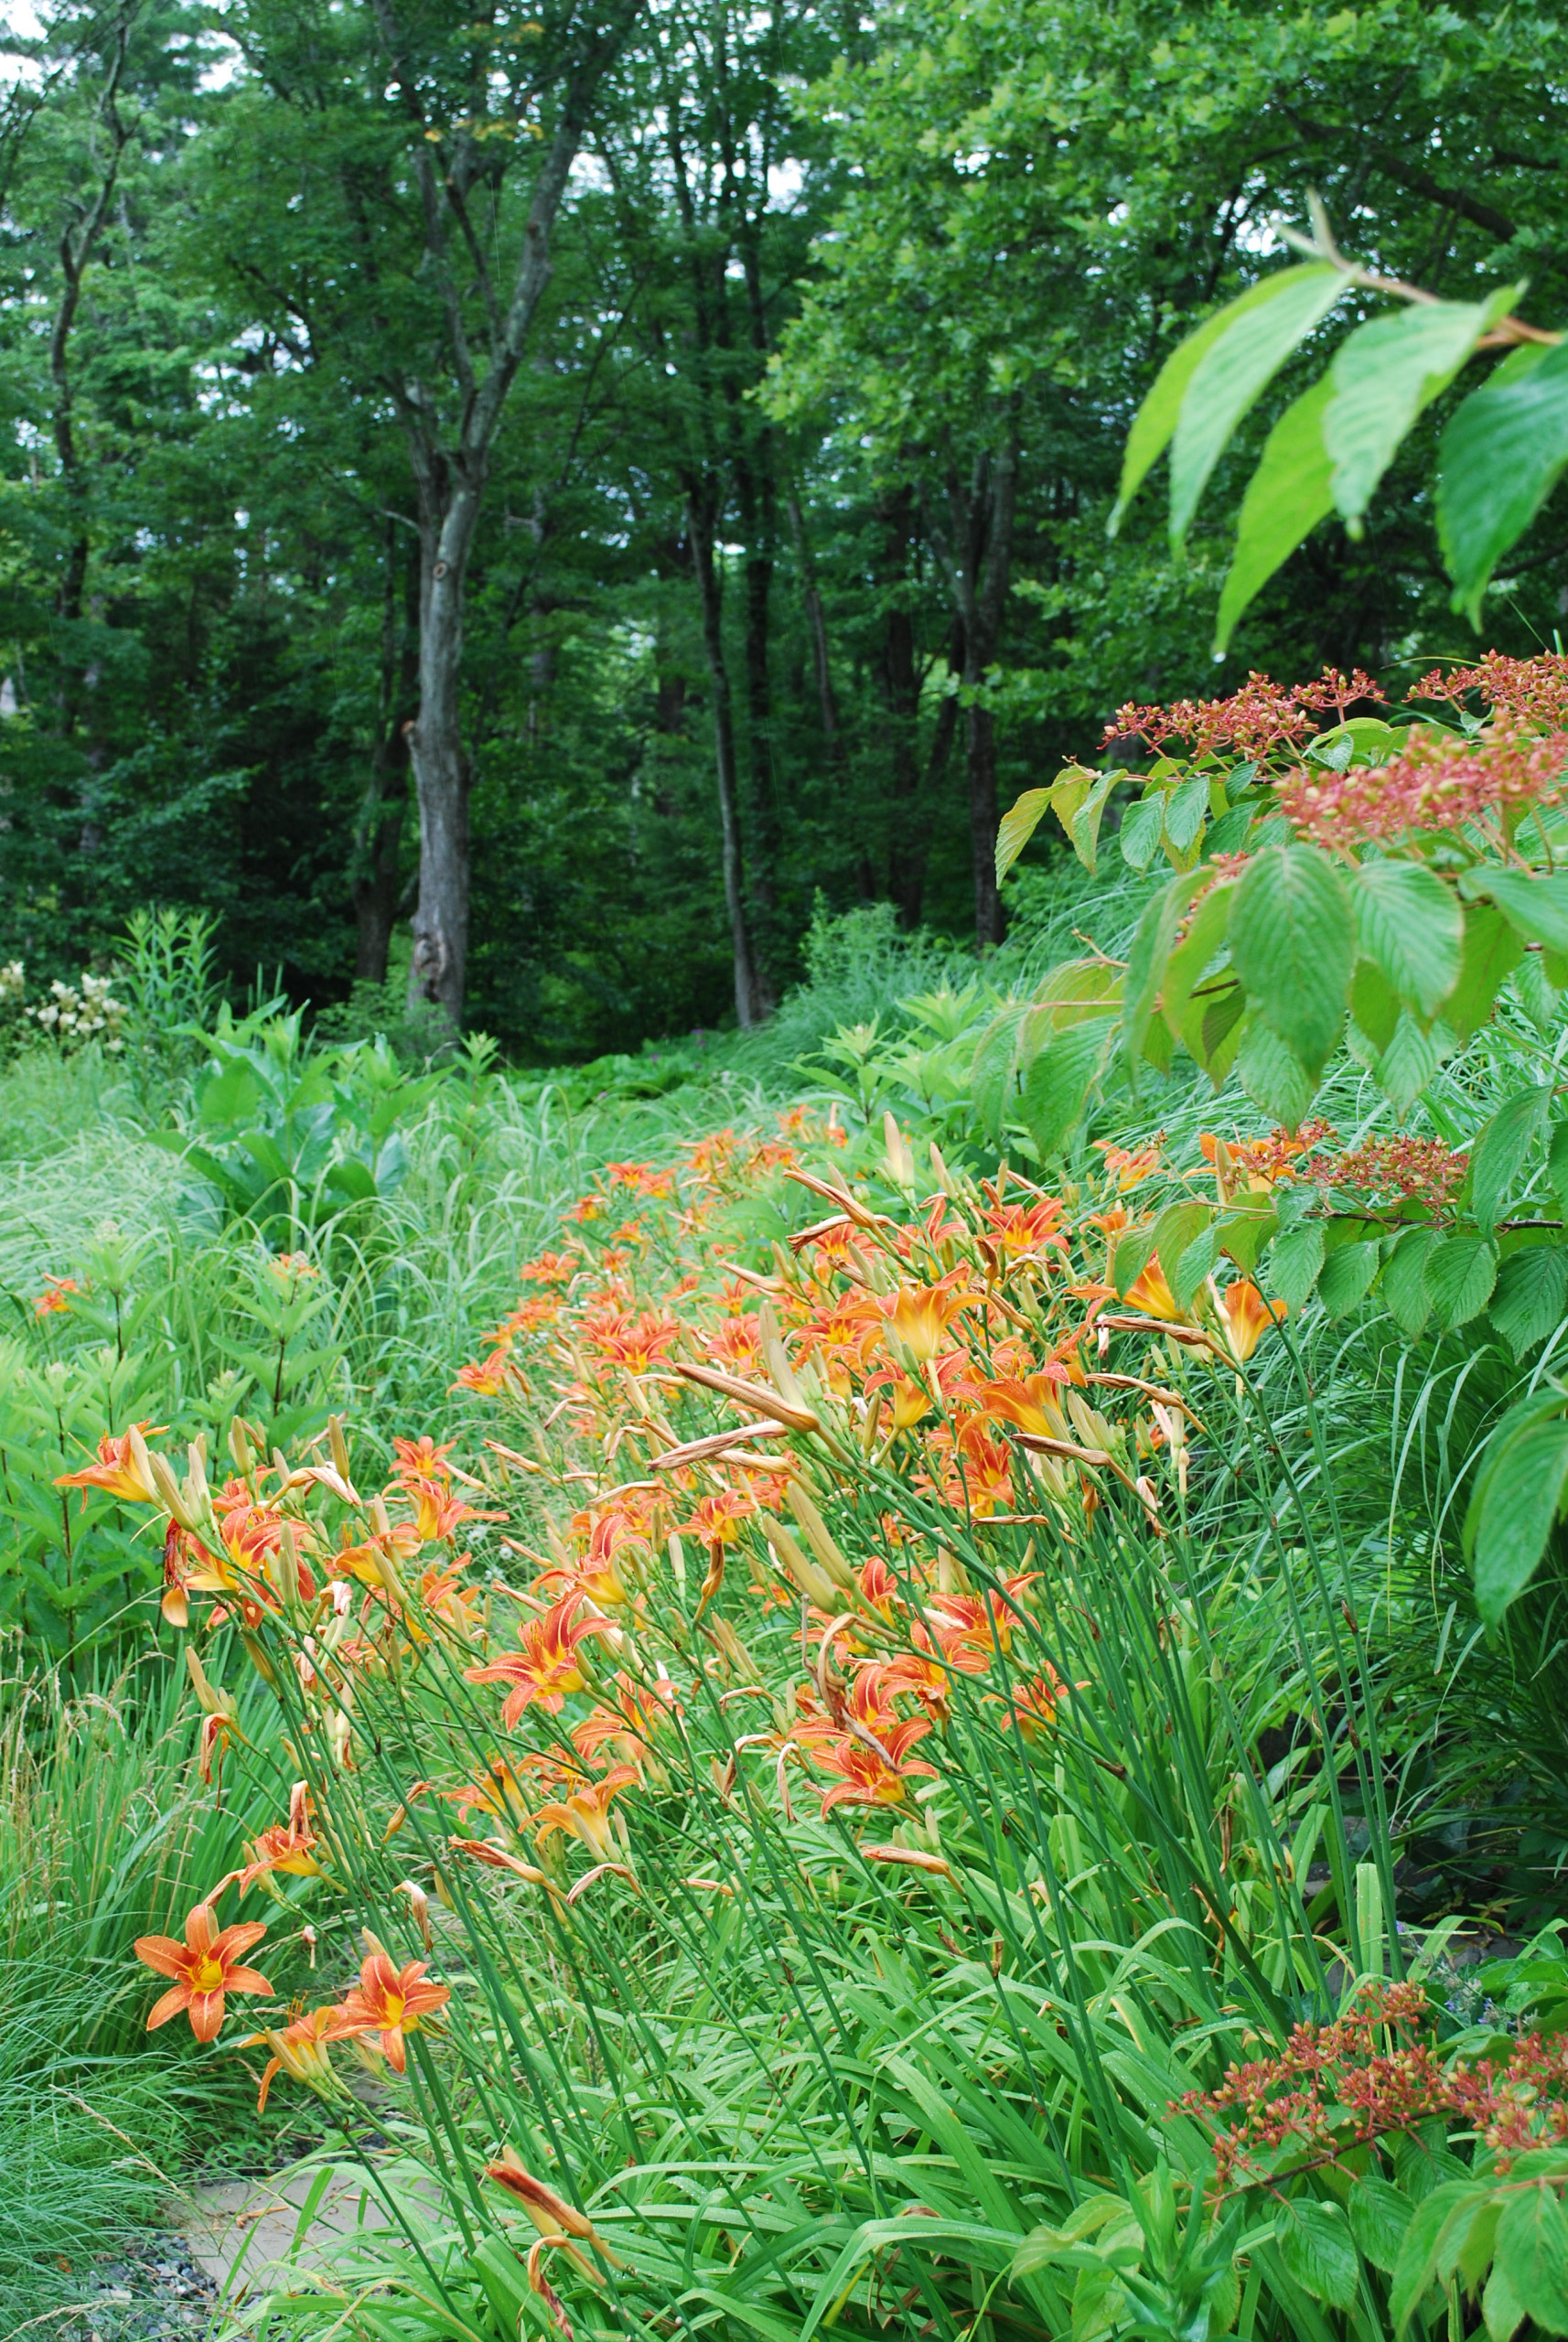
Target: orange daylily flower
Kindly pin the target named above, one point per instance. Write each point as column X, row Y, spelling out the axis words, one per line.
column 116, row 1472
column 919, row 1315
column 1032, row 1401
column 300, row 2049
column 389, row 2002
column 52, row 1300
column 1150, row 1293
column 874, row 1775
column 204, row 1967
column 1031, row 1709
column 1129, row 1165
column 487, row 1377
column 289, row 1846
column 544, row 1668
column 1248, row 1317
column 586, row 1814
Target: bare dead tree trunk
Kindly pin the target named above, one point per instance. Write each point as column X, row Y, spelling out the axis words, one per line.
column 702, row 519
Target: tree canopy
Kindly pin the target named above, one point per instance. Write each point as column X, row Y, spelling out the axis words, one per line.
column 553, row 492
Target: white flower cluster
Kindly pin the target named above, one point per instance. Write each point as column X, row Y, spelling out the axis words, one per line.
column 71, row 1017
column 11, row 983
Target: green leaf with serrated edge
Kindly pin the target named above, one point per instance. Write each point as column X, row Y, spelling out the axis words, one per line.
column 1293, row 945
column 1512, row 1510
column 1404, row 1286
column 1189, row 963
column 1347, row 1275
column 1411, row 927
column 1380, row 2216
column 1490, row 952
column 1017, row 826
column 1294, row 1263
column 1212, row 1021
column 1501, row 1148
column 1557, row 1164
column 1474, row 2257
column 1059, row 1080
column 1502, row 453
column 1532, row 1295
column 1134, row 1254
column 1272, row 1077
column 1409, row 1063
column 1384, row 374
column 1318, row 2249
column 1460, row 1273
column 1175, row 1227
column 1151, row 948
column 1234, row 371
column 1244, row 1228
column 1501, row 2307
column 1156, row 418
column 1536, row 909
column 1374, row 1005
column 1084, row 827
column 991, row 1073
column 1186, row 811
column 1159, row 1042
column 1287, row 498
column 1537, row 998
column 1192, row 1265
column 1450, row 2204
column 1140, row 832
column 1532, row 2249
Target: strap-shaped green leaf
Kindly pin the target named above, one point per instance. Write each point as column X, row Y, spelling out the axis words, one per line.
column 1235, row 369
column 1502, row 455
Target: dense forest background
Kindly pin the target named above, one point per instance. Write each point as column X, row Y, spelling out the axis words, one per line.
column 673, row 444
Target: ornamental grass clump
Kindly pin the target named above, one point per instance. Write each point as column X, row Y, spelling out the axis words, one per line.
column 792, row 1793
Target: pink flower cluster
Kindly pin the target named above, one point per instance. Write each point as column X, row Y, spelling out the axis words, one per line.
column 1440, row 782
column 1261, row 718
column 1423, row 1168
column 1533, row 691
column 1334, row 2088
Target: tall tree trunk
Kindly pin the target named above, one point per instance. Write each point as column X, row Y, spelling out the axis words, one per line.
column 440, row 966
column 976, row 551
column 816, row 624
column 702, row 518
column 909, row 806
column 379, row 832
column 451, row 466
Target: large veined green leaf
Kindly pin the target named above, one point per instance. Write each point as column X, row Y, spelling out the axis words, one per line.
column 1235, row 369
column 1412, row 928
column 1156, row 418
column 1501, row 1148
column 1017, row 826
column 1530, row 1295
column 1318, row 2249
column 1502, row 453
column 1491, row 952
column 1404, row 1293
column 1151, row 945
column 1292, row 944
column 1516, row 1501
column 1459, row 1275
column 1383, row 375
column 1058, row 1081
column 1286, row 497
column 1272, row 1074
column 1532, row 2256
column 1535, row 908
